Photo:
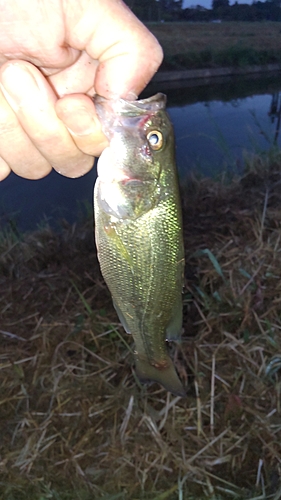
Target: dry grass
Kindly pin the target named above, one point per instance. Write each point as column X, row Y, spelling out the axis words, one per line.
column 181, row 37
column 75, row 422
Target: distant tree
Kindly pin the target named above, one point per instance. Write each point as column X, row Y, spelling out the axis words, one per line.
column 220, row 9
column 217, row 4
column 197, row 13
column 268, row 10
column 275, row 9
column 156, row 10
column 170, row 9
column 146, row 10
column 242, row 12
column 170, row 5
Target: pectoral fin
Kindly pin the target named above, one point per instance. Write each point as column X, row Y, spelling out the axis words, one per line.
column 174, row 328
column 111, row 232
column 121, row 317
column 165, row 376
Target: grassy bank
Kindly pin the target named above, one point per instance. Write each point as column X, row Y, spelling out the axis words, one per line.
column 201, row 45
column 74, row 421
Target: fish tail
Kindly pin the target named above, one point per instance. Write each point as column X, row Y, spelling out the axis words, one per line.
column 165, row 376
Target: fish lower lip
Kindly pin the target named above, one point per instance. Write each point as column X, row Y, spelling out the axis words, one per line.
column 107, row 171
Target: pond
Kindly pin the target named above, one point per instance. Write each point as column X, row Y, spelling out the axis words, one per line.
column 215, row 123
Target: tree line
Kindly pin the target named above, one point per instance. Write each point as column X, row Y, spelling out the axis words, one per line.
column 171, row 10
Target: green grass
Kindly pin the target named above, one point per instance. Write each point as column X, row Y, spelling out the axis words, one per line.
column 207, row 45
column 235, row 56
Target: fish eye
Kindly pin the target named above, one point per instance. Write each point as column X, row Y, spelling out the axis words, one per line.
column 155, row 139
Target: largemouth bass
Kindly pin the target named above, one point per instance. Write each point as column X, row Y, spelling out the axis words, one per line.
column 138, row 229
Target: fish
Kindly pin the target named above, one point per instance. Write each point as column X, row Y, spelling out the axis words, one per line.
column 138, row 230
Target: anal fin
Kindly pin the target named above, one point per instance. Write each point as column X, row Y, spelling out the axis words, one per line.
column 121, row 317
column 174, row 328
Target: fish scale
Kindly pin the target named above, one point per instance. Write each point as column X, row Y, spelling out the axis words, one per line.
column 142, row 256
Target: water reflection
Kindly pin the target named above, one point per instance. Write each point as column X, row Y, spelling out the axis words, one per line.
column 275, row 113
column 214, row 135
column 227, row 88
column 214, row 125
column 217, row 124
column 26, row 203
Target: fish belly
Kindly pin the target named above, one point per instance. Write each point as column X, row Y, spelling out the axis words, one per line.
column 142, row 263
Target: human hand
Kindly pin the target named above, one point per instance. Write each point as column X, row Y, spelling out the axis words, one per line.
column 54, row 55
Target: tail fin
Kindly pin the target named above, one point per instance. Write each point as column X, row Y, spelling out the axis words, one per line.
column 167, row 376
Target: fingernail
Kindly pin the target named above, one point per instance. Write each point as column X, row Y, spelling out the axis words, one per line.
column 17, row 85
column 131, row 96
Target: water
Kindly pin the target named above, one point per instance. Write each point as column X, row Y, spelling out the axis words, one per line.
column 213, row 136
column 217, row 124
column 214, row 123
column 26, row 204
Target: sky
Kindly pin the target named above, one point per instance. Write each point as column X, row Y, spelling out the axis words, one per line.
column 208, row 3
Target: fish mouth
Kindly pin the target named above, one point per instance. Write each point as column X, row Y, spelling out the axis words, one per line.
column 134, row 108
column 108, row 111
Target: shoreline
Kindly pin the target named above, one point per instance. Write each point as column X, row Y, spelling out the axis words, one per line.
column 209, row 73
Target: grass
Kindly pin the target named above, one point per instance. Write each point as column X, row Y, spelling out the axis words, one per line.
column 201, row 45
column 75, row 423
